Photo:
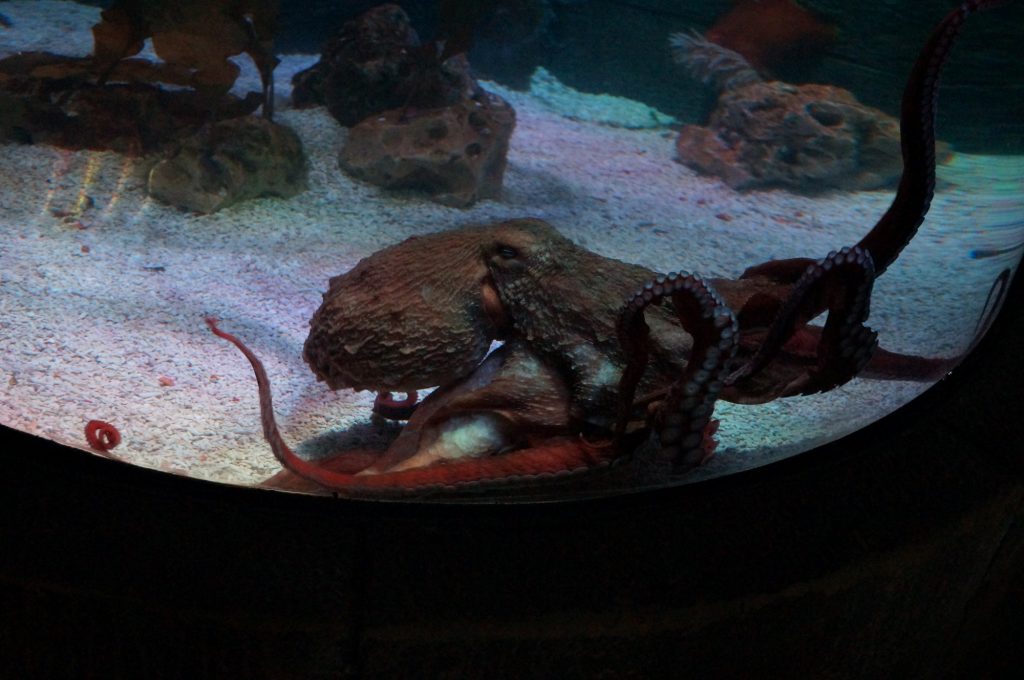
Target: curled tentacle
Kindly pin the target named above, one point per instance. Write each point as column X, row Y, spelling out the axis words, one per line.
column 846, row 344
column 840, row 283
column 684, row 417
column 917, row 140
column 101, row 436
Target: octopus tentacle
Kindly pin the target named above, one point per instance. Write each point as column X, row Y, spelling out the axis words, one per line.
column 683, row 417
column 993, row 303
column 840, row 283
column 896, row 227
column 102, row 436
column 883, row 243
column 846, row 344
column 550, row 460
column 886, row 365
column 386, row 406
column 845, row 350
column 917, row 140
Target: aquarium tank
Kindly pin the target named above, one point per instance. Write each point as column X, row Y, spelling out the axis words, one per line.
column 496, row 250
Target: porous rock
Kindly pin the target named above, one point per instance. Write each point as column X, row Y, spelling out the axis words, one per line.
column 456, row 153
column 232, row 161
column 806, row 138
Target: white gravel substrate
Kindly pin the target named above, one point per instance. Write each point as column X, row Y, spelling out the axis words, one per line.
column 102, row 303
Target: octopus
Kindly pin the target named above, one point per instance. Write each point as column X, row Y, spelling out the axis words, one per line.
column 599, row 359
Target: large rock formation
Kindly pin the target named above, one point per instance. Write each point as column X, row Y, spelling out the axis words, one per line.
column 376, row 62
column 455, row 153
column 418, row 119
column 234, row 160
column 803, row 137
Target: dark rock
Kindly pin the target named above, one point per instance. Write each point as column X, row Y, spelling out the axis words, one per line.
column 806, row 138
column 370, row 49
column 455, row 153
column 233, row 161
column 198, row 36
column 376, row 63
column 52, row 99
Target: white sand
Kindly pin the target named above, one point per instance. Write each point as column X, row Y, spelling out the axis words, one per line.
column 97, row 307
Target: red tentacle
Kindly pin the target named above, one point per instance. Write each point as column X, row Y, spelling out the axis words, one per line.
column 101, row 435
column 386, row 406
column 549, row 460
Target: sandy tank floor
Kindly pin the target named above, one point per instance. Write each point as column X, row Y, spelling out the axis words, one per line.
column 103, row 291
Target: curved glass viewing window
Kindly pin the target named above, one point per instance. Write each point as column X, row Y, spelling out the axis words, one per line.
column 519, row 249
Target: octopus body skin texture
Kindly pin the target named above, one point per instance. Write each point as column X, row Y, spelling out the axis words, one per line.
column 598, row 355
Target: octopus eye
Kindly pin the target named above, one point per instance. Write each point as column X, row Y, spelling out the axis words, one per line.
column 508, row 252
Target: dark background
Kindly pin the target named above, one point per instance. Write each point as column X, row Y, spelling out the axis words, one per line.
column 620, row 47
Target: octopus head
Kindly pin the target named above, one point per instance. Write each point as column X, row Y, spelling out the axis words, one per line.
column 417, row 314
